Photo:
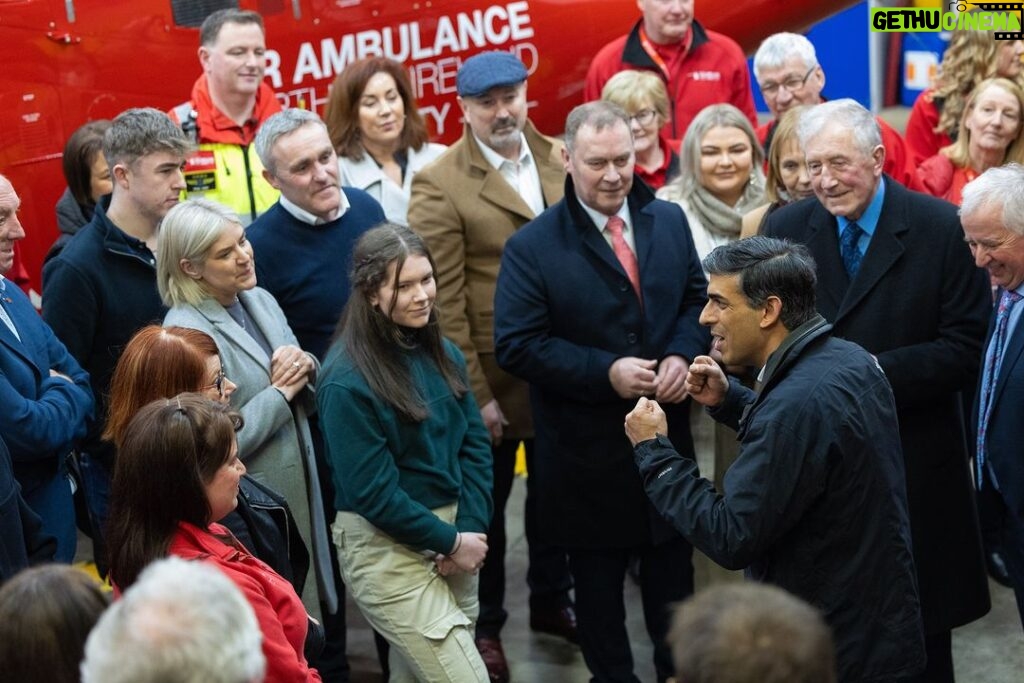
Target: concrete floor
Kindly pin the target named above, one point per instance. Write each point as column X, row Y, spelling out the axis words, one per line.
column 990, row 650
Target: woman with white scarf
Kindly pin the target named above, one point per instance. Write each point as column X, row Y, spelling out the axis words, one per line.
column 721, row 176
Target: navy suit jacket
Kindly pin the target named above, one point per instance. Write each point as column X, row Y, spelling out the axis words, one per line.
column 564, row 311
column 1005, row 432
column 919, row 304
column 42, row 416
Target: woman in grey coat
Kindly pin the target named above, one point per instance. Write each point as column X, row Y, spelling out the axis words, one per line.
column 207, row 276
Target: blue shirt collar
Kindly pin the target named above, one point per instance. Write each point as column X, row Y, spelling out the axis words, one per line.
column 869, row 219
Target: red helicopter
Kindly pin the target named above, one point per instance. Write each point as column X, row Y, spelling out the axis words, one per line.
column 70, row 61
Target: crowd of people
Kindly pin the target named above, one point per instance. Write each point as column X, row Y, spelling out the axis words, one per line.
column 282, row 357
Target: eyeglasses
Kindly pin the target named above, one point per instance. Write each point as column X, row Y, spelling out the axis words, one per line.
column 218, row 383
column 792, row 84
column 644, row 117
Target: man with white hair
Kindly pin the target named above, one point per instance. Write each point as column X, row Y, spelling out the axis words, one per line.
column 992, row 214
column 787, row 71
column 181, row 622
column 895, row 276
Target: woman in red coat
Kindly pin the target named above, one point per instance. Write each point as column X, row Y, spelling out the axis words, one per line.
column 177, row 473
column 989, row 135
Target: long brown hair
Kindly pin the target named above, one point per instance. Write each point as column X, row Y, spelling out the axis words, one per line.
column 157, row 362
column 342, row 112
column 373, row 341
column 171, row 449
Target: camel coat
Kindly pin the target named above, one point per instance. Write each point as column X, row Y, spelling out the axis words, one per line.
column 465, row 210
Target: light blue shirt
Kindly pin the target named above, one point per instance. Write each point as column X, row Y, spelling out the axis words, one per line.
column 868, row 220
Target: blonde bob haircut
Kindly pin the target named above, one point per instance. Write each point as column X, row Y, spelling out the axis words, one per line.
column 187, row 232
column 634, row 90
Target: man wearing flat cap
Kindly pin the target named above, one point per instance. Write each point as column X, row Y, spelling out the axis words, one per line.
column 497, row 177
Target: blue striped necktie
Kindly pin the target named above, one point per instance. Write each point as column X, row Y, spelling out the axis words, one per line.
column 991, row 371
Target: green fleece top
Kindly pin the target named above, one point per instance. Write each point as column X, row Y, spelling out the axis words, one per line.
column 394, row 472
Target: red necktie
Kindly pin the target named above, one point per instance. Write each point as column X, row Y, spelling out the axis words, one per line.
column 625, row 255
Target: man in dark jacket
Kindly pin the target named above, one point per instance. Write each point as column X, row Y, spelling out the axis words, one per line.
column 816, row 502
column 102, row 287
column 597, row 303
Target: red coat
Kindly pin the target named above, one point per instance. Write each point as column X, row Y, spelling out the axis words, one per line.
column 922, row 140
column 940, row 178
column 714, row 71
column 282, row 618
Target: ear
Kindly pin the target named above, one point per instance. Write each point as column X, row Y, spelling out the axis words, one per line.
column 820, row 74
column 772, row 311
column 119, row 174
column 190, row 269
column 373, row 299
column 204, row 57
column 462, row 104
column 565, row 158
column 269, row 177
column 878, row 156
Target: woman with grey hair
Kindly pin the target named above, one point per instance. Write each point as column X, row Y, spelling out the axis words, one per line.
column 721, row 176
column 207, row 277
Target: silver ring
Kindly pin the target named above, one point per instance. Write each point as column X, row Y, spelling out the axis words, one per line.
column 296, row 364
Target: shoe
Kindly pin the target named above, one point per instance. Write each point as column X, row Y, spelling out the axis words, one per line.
column 494, row 659
column 558, row 621
column 997, row 568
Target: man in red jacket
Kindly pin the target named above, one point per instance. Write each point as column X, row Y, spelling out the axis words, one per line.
column 699, row 67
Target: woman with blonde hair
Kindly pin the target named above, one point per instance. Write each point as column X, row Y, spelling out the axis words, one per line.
column 643, row 97
column 989, row 135
column 378, row 133
column 206, row 275
column 971, row 57
column 787, row 180
column 721, row 177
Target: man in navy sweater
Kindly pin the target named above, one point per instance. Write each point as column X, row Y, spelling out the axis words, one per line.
column 303, row 244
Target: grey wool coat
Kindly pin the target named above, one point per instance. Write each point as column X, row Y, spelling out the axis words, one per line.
column 275, row 443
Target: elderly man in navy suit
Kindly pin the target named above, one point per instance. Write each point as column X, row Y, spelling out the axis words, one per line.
column 597, row 304
column 992, row 214
column 895, row 277
column 44, row 392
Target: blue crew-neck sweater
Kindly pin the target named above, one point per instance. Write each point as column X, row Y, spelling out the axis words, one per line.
column 306, row 266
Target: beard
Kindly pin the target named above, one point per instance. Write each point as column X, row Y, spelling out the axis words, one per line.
column 507, row 140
